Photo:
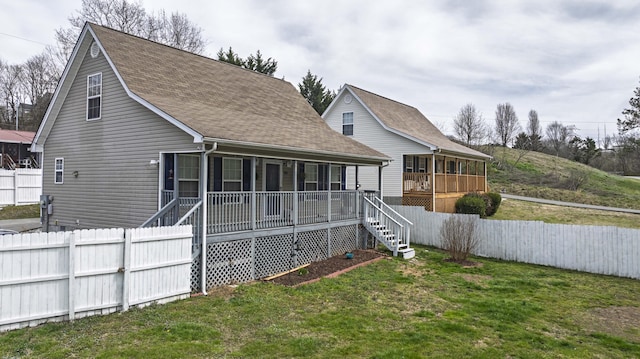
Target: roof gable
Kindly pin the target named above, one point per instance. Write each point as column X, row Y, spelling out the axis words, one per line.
column 209, row 99
column 408, row 122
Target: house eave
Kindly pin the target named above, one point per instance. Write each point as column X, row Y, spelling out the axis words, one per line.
column 288, row 152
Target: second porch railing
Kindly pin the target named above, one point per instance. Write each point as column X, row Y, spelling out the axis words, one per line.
column 241, row 211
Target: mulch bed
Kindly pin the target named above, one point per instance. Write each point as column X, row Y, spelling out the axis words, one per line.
column 329, row 267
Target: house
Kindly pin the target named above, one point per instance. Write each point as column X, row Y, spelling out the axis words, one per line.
column 142, row 134
column 15, row 149
column 428, row 169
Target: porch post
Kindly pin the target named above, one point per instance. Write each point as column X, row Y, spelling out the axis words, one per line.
column 485, row 176
column 253, row 193
column 328, row 192
column 357, row 178
column 176, row 192
column 203, row 210
column 357, row 194
column 446, row 181
column 433, row 183
column 295, row 193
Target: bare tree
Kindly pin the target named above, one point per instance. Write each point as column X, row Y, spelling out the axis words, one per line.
column 507, row 124
column 130, row 17
column 469, row 125
column 11, row 91
column 458, row 236
column 558, row 136
column 534, row 131
column 177, row 31
column 39, row 80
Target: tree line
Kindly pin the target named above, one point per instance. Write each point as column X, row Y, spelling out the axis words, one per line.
column 27, row 88
column 616, row 153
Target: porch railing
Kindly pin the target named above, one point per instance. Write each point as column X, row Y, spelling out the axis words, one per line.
column 459, row 183
column 236, row 211
column 412, row 182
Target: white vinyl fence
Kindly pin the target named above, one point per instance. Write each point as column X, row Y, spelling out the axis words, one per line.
column 20, row 186
column 67, row 275
column 594, row 249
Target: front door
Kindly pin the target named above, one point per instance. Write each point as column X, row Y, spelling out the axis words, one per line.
column 272, row 184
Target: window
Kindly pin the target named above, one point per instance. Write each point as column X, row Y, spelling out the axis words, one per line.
column 59, row 171
column 347, row 123
column 336, row 178
column 311, row 177
column 188, row 174
column 94, row 96
column 422, row 164
column 408, row 163
column 232, row 174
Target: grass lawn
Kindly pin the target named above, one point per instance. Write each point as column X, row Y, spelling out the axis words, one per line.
column 528, row 211
column 393, row 308
column 17, row 212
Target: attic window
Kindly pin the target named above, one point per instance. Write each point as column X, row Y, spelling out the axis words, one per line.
column 347, row 123
column 94, row 96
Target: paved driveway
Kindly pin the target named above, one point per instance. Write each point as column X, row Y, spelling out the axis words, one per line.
column 21, row 225
column 570, row 204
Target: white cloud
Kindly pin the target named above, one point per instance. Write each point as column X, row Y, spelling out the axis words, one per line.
column 572, row 61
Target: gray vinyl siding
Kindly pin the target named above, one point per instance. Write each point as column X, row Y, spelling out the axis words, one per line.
column 116, row 186
column 367, row 130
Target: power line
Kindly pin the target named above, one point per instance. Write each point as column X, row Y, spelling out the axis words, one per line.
column 22, row 38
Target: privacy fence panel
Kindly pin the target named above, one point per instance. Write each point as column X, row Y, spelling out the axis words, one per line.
column 595, row 249
column 67, row 275
column 20, row 186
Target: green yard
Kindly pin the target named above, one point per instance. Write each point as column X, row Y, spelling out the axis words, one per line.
column 393, row 308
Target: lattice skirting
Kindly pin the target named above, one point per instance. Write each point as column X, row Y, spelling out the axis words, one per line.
column 248, row 259
column 421, row 201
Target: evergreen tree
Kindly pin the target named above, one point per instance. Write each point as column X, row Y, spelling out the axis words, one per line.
column 315, row 92
column 632, row 114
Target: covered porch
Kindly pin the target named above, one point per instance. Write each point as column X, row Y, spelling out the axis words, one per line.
column 436, row 181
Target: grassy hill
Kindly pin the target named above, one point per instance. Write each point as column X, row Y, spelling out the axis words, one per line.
column 539, row 175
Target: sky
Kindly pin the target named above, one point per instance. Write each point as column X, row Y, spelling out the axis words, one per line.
column 575, row 62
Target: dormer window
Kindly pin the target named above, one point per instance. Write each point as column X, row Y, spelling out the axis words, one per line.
column 347, row 123
column 94, row 96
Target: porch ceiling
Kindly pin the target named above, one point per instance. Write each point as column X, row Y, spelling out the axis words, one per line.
column 296, row 154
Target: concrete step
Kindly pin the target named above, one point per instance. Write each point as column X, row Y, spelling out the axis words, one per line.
column 407, row 253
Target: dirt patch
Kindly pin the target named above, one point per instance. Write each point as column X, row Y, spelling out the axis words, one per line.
column 328, row 267
column 476, row 278
column 464, row 263
column 616, row 321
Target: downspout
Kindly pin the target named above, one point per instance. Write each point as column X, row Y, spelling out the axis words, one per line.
column 203, row 189
column 380, row 178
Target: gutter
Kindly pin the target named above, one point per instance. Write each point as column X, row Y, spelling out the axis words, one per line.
column 294, row 149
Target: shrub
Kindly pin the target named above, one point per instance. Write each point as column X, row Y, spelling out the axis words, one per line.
column 496, row 199
column 458, row 235
column 472, row 203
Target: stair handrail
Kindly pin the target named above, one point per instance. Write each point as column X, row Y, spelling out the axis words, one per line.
column 393, row 210
column 405, row 234
column 396, row 246
column 164, row 210
column 193, row 209
column 383, row 212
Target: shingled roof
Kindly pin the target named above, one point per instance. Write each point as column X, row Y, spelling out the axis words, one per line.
column 221, row 101
column 410, row 122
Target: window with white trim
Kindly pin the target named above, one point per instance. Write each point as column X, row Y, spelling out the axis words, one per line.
column 408, row 167
column 94, row 96
column 59, row 171
column 311, row 176
column 347, row 123
column 336, row 177
column 188, row 175
column 232, row 174
column 422, row 164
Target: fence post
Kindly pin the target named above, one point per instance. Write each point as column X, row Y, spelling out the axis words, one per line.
column 126, row 262
column 15, row 187
column 72, row 274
